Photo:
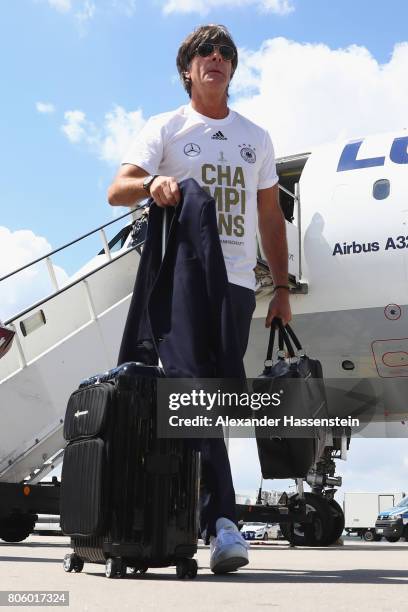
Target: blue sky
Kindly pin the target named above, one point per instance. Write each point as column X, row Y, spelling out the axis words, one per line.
column 80, row 77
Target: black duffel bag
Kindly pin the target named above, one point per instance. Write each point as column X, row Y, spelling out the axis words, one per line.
column 292, row 457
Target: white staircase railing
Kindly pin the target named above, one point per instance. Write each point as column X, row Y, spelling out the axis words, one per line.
column 49, row 263
column 25, row 322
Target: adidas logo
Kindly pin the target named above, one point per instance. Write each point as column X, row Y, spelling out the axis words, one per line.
column 218, row 136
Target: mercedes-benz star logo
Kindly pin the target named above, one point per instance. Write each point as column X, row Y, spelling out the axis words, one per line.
column 192, row 150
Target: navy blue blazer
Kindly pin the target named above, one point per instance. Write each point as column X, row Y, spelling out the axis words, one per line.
column 181, row 305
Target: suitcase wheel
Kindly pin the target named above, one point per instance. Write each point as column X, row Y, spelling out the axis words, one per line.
column 186, row 567
column 73, row 562
column 115, row 568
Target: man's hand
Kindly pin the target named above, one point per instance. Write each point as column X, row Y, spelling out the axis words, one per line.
column 127, row 188
column 165, row 191
column 279, row 307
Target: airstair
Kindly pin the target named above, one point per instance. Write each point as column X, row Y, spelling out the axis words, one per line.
column 64, row 337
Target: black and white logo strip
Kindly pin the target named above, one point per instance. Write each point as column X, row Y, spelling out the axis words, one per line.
column 219, row 136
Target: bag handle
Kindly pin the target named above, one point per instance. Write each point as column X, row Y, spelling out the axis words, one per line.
column 283, row 340
column 294, row 338
column 270, row 343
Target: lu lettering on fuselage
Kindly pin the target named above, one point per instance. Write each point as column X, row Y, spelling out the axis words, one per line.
column 348, row 159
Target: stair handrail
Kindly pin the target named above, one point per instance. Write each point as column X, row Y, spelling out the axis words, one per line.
column 22, row 313
column 98, row 229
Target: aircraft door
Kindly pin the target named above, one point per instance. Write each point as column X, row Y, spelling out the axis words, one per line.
column 291, row 212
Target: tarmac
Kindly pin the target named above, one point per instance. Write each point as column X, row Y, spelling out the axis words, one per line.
column 356, row 576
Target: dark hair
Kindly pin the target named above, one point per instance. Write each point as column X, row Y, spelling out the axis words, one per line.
column 188, row 48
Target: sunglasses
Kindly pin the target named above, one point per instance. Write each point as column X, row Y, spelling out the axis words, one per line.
column 205, row 49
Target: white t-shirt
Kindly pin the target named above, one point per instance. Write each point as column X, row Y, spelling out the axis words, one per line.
column 230, row 158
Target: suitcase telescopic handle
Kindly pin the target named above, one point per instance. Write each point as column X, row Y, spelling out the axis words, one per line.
column 165, row 231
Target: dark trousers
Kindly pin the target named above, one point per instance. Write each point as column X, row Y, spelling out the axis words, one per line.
column 217, row 495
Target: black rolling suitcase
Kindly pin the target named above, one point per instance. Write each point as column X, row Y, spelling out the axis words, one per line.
column 128, row 499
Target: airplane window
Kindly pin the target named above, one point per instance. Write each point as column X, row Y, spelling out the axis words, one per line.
column 381, row 189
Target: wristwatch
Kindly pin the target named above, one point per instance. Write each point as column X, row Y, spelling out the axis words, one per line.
column 148, row 181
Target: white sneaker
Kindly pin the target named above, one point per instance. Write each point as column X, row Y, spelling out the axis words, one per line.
column 229, row 550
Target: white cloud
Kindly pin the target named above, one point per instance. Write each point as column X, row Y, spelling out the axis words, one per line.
column 20, row 291
column 45, row 107
column 120, row 127
column 86, row 13
column 203, row 7
column 307, row 94
column 75, row 125
column 109, row 141
column 63, row 6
